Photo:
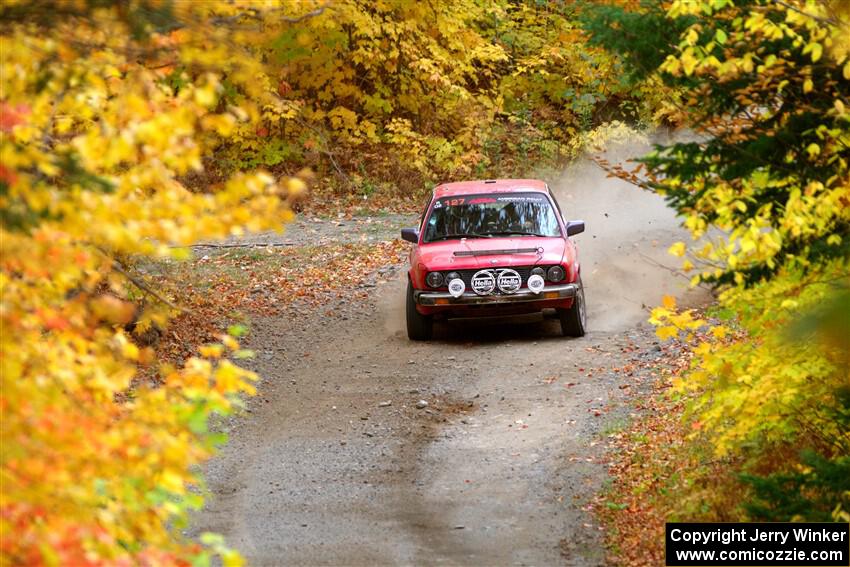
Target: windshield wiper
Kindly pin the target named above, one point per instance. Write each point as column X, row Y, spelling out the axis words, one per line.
column 518, row 233
column 457, row 236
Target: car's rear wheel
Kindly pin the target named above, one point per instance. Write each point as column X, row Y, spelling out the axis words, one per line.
column 574, row 319
column 419, row 327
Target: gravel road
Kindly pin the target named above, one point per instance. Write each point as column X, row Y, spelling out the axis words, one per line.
column 481, row 447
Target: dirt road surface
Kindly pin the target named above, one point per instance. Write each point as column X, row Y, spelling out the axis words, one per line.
column 481, row 447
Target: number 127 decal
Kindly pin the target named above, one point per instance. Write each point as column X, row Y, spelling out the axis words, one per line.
column 454, row 202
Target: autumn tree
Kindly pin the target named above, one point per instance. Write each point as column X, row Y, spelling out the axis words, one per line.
column 764, row 188
column 97, row 140
column 130, row 130
column 407, row 93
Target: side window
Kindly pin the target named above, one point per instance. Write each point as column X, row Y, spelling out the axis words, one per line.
column 424, row 212
column 557, row 206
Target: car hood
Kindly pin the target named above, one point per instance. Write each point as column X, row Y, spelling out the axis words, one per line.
column 477, row 253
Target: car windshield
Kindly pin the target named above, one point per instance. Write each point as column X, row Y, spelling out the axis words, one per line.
column 489, row 215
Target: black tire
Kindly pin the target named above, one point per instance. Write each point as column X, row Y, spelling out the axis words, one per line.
column 574, row 319
column 419, row 327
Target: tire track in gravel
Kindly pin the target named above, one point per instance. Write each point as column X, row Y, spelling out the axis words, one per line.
column 496, row 470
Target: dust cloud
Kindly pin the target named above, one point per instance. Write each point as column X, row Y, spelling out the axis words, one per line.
column 623, row 252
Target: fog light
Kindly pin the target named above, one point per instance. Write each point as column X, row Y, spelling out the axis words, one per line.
column 556, row 273
column 434, row 279
column 536, row 283
column 457, row 287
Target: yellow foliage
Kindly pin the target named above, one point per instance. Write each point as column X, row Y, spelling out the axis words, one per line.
column 95, row 145
column 775, row 371
column 753, row 378
column 428, row 91
column 677, row 249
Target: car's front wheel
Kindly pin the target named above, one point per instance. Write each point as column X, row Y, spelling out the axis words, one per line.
column 574, row 319
column 419, row 327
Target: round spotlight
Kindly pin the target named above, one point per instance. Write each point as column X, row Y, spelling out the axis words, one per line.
column 434, row 279
column 456, row 287
column 556, row 274
column 536, row 283
column 538, row 271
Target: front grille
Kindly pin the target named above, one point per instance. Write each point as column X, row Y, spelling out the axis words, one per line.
column 466, row 275
column 523, row 271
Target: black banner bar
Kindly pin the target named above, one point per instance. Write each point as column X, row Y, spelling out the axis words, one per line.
column 758, row 544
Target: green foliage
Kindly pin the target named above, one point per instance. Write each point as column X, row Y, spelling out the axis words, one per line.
column 810, row 493
column 771, row 167
column 642, row 38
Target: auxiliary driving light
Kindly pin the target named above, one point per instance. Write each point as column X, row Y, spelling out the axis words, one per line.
column 434, row 279
column 536, row 283
column 457, row 287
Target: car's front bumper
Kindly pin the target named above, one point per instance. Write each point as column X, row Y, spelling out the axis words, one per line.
column 441, row 298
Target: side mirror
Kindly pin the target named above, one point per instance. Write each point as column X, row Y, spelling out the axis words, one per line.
column 575, row 227
column 410, row 234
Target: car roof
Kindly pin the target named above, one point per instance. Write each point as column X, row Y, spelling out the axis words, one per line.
column 490, row 186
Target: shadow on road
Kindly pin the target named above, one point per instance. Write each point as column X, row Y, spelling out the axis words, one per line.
column 517, row 328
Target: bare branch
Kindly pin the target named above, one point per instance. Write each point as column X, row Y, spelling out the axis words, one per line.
column 317, row 12
column 326, row 153
column 246, row 245
column 673, row 271
column 145, row 287
column 256, row 14
column 827, row 21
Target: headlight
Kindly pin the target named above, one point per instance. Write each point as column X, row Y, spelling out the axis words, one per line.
column 555, row 274
column 452, row 276
column 434, row 279
column 538, row 271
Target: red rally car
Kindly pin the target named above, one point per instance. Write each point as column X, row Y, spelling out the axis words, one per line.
column 494, row 247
